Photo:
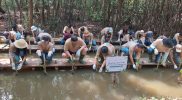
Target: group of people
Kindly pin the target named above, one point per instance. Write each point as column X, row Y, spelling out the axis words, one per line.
column 76, row 44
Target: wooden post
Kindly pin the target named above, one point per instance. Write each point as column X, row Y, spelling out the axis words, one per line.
column 30, row 14
column 30, row 20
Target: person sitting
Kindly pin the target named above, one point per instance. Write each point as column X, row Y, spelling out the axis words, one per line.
column 81, row 30
column 75, row 46
column 161, row 48
column 123, row 35
column 126, row 36
column 18, row 54
column 178, row 38
column 133, row 50
column 104, row 50
column 21, row 30
column 67, row 32
column 11, row 36
column 89, row 41
column 18, row 35
column 106, row 33
column 45, row 50
column 140, row 36
column 176, row 56
column 163, row 36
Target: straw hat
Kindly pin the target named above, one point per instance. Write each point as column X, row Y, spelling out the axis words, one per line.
column 178, row 47
column 2, row 39
column 12, row 32
column 21, row 43
column 86, row 33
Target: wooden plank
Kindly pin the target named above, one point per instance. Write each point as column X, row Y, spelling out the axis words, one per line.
column 56, row 63
column 62, row 63
column 33, row 47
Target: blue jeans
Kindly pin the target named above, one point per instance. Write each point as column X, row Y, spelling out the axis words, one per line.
column 157, row 57
column 62, row 41
column 17, row 58
column 125, row 51
column 176, row 57
column 147, row 42
column 47, row 58
column 150, row 51
column 93, row 42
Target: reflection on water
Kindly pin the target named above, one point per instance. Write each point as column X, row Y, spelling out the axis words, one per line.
column 88, row 85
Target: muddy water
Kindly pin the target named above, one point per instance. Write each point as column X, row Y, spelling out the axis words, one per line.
column 88, row 85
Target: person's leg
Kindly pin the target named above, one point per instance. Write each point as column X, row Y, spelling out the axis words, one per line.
column 25, row 62
column 42, row 57
column 150, row 52
column 16, row 59
column 23, row 53
column 83, row 53
column 49, row 58
column 147, row 42
column 86, row 42
column 94, row 43
column 157, row 58
column 177, row 59
column 62, row 42
column 134, row 57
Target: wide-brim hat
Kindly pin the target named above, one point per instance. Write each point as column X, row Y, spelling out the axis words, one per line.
column 21, row 43
column 86, row 33
column 12, row 32
column 168, row 42
column 33, row 28
column 178, row 47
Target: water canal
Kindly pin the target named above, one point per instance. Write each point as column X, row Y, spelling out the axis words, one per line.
column 88, row 85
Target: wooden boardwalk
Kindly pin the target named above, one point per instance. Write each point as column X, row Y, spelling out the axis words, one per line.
column 34, row 63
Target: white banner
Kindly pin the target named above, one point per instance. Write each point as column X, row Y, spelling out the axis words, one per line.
column 116, row 64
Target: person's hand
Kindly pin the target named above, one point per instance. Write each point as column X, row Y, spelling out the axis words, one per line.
column 13, row 66
column 156, row 52
column 94, row 66
column 71, row 57
column 20, row 66
column 100, row 70
column 50, row 53
column 22, row 37
column 134, row 66
column 175, row 66
column 38, row 53
column 164, row 64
